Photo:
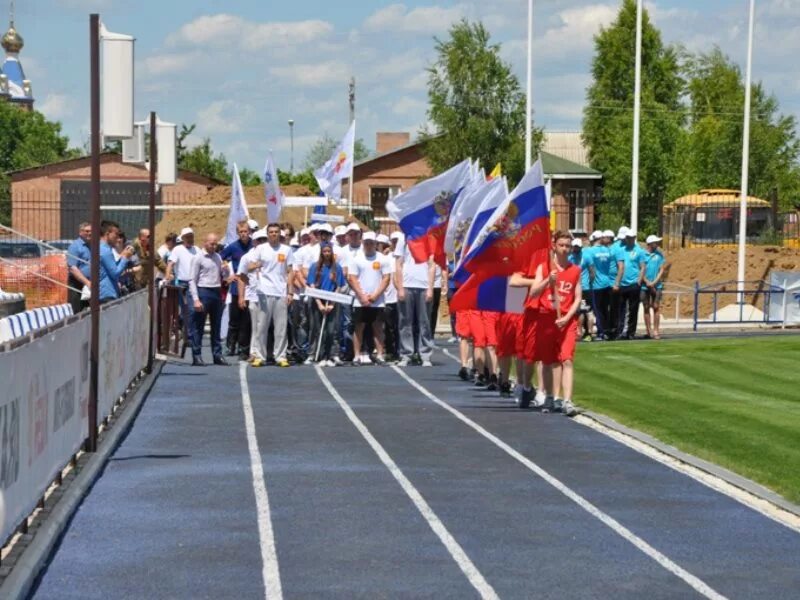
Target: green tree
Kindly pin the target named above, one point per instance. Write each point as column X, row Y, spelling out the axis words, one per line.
column 27, row 139
column 250, row 177
column 476, row 106
column 716, row 90
column 608, row 115
column 305, row 178
column 323, row 148
column 202, row 160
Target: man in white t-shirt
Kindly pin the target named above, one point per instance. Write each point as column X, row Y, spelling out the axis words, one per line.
column 414, row 282
column 369, row 276
column 275, row 291
column 348, row 252
column 249, row 300
column 179, row 270
column 390, row 323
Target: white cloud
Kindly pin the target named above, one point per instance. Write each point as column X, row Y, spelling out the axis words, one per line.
column 397, row 18
column 165, row 63
column 223, row 116
column 231, row 32
column 408, row 105
column 313, row 74
column 56, row 106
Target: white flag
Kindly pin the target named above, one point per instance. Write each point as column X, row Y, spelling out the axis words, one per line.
column 238, row 211
column 272, row 191
column 339, row 166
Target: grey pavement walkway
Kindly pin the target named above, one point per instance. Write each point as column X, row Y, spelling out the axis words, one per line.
column 174, row 514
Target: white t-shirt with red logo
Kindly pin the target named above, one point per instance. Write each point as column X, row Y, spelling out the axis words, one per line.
column 370, row 271
column 275, row 263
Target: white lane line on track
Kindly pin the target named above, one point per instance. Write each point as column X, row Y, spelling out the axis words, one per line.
column 456, row 551
column 452, row 356
column 693, row 581
column 269, row 555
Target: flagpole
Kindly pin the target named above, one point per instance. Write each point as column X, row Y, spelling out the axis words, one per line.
column 529, row 105
column 745, row 157
column 352, row 173
column 637, row 107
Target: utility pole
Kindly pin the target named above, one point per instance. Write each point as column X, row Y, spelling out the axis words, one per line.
column 352, row 100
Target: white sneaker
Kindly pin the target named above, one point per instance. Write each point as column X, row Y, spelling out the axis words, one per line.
column 539, row 399
column 403, row 362
column 309, row 361
column 365, row 360
column 452, row 340
column 427, row 363
column 336, row 361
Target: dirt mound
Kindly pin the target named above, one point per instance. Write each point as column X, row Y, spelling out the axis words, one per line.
column 717, row 267
column 214, row 220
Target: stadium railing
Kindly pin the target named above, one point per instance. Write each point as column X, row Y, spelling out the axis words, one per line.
column 727, row 305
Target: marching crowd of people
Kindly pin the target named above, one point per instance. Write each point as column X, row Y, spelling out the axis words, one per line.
column 333, row 296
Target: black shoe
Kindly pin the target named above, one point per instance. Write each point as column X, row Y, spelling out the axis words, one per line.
column 505, row 389
column 463, row 373
column 218, row 360
column 244, row 356
column 198, row 362
column 492, row 387
column 480, row 381
column 526, row 398
column 232, row 352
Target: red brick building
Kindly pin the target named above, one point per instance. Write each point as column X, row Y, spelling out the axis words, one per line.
column 48, row 202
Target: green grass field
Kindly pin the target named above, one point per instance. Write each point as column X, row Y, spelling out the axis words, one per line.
column 733, row 402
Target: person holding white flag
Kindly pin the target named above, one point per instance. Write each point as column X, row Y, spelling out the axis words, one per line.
column 339, row 166
column 272, row 191
column 238, row 211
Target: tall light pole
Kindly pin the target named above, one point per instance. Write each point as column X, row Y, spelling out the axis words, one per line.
column 291, row 137
column 745, row 156
column 637, row 107
column 529, row 104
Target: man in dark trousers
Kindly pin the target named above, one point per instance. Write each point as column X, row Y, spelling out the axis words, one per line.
column 78, row 257
column 238, row 319
column 205, row 289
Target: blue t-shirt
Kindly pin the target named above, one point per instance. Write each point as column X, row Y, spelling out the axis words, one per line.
column 632, row 258
column 233, row 253
column 110, row 271
column 325, row 282
column 653, row 262
column 583, row 260
column 80, row 250
column 602, row 260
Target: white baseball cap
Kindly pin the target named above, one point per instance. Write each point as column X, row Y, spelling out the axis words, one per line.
column 314, row 226
column 652, row 239
column 353, row 227
column 596, row 235
column 630, row 233
column 577, row 243
column 304, row 231
column 396, row 235
column 622, row 233
column 340, row 230
column 261, row 234
column 369, row 236
column 383, row 238
column 608, row 234
column 252, row 224
column 186, row 231
column 325, row 227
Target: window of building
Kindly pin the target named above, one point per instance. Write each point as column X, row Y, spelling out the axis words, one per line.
column 578, row 205
column 379, row 196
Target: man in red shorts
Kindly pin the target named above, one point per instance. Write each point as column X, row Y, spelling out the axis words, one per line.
column 483, row 326
column 557, row 325
column 464, row 336
column 509, row 344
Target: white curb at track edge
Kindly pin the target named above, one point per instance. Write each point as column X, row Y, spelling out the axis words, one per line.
column 34, row 558
column 777, row 507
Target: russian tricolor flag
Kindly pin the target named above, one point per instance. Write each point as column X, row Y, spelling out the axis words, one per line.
column 424, row 210
column 493, row 294
column 517, row 233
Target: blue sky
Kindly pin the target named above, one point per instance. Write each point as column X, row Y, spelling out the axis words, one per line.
column 241, row 69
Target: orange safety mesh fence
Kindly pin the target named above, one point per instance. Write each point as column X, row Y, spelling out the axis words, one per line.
column 36, row 278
